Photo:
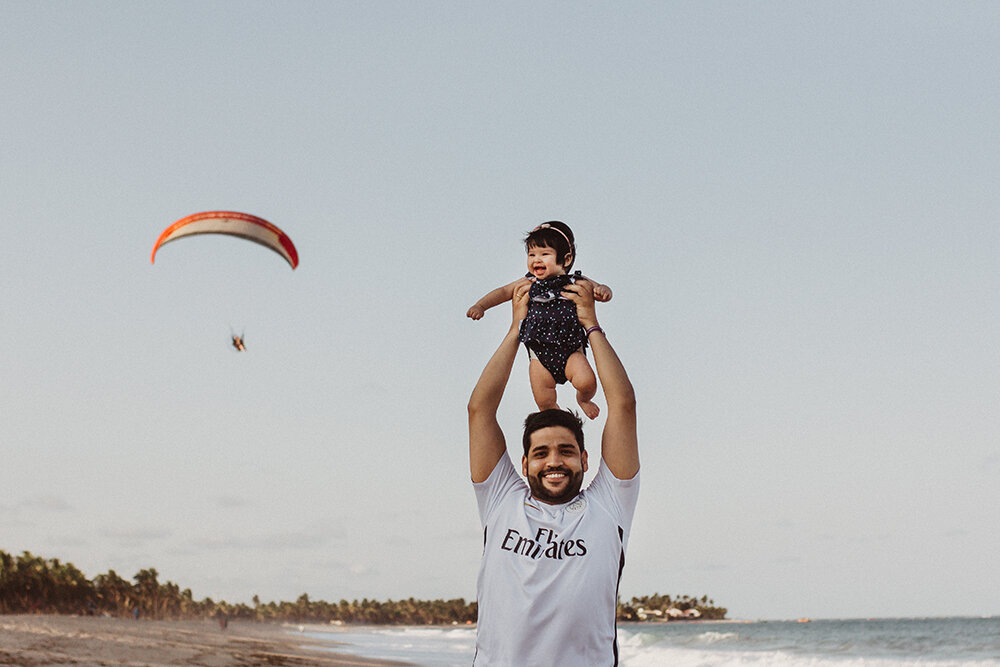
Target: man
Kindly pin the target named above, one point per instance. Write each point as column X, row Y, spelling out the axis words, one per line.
column 553, row 554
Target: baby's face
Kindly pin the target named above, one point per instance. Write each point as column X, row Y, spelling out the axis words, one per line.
column 542, row 263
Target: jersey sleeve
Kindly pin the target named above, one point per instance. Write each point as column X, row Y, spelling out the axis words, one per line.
column 619, row 496
column 503, row 481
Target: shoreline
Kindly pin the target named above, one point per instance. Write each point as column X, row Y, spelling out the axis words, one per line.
column 34, row 640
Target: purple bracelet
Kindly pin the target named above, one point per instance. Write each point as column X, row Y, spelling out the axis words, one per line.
column 593, row 329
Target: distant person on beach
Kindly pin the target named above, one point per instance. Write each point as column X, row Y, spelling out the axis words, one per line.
column 551, row 331
column 552, row 554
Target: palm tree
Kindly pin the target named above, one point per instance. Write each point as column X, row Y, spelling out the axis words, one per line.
column 148, row 590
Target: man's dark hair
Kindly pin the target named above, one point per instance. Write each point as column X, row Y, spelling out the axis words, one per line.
column 556, row 235
column 553, row 417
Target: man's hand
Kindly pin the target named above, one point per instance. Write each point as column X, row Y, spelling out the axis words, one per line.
column 582, row 294
column 519, row 301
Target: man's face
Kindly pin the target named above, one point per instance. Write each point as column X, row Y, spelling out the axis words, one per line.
column 554, row 465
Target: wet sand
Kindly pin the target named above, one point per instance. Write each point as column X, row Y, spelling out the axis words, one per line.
column 37, row 640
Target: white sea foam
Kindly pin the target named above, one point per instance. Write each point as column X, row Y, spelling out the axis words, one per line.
column 657, row 656
column 878, row 643
column 714, row 637
column 429, row 646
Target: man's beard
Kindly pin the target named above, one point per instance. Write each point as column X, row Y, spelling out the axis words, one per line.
column 538, row 490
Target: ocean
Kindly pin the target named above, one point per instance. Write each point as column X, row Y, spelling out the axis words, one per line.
column 924, row 642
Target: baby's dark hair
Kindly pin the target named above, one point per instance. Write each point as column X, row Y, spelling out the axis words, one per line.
column 556, row 235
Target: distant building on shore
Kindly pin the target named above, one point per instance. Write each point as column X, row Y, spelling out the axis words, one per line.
column 671, row 614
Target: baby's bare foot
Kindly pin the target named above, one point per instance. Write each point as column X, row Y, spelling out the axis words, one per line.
column 589, row 408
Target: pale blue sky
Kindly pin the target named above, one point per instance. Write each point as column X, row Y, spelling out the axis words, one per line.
column 795, row 204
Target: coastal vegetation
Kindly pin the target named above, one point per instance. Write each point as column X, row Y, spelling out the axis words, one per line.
column 31, row 584
column 666, row 608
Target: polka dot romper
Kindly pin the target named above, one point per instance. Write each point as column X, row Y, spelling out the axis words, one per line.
column 551, row 329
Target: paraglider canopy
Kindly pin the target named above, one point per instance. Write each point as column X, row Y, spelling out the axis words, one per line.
column 231, row 223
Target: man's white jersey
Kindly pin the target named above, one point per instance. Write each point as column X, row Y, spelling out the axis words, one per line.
column 548, row 581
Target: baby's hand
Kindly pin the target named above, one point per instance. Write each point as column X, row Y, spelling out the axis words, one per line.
column 476, row 312
column 602, row 293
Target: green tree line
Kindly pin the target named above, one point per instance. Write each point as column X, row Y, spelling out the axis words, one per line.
column 31, row 584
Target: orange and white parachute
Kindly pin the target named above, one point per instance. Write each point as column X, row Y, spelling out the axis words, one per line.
column 231, row 223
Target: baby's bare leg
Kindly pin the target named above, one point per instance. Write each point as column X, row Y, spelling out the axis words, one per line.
column 543, row 385
column 581, row 375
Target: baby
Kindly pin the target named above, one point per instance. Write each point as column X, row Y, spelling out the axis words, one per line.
column 551, row 332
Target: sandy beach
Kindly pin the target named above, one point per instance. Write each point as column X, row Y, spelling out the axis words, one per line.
column 37, row 640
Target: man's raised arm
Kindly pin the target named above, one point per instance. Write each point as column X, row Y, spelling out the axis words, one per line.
column 619, row 442
column 486, row 441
